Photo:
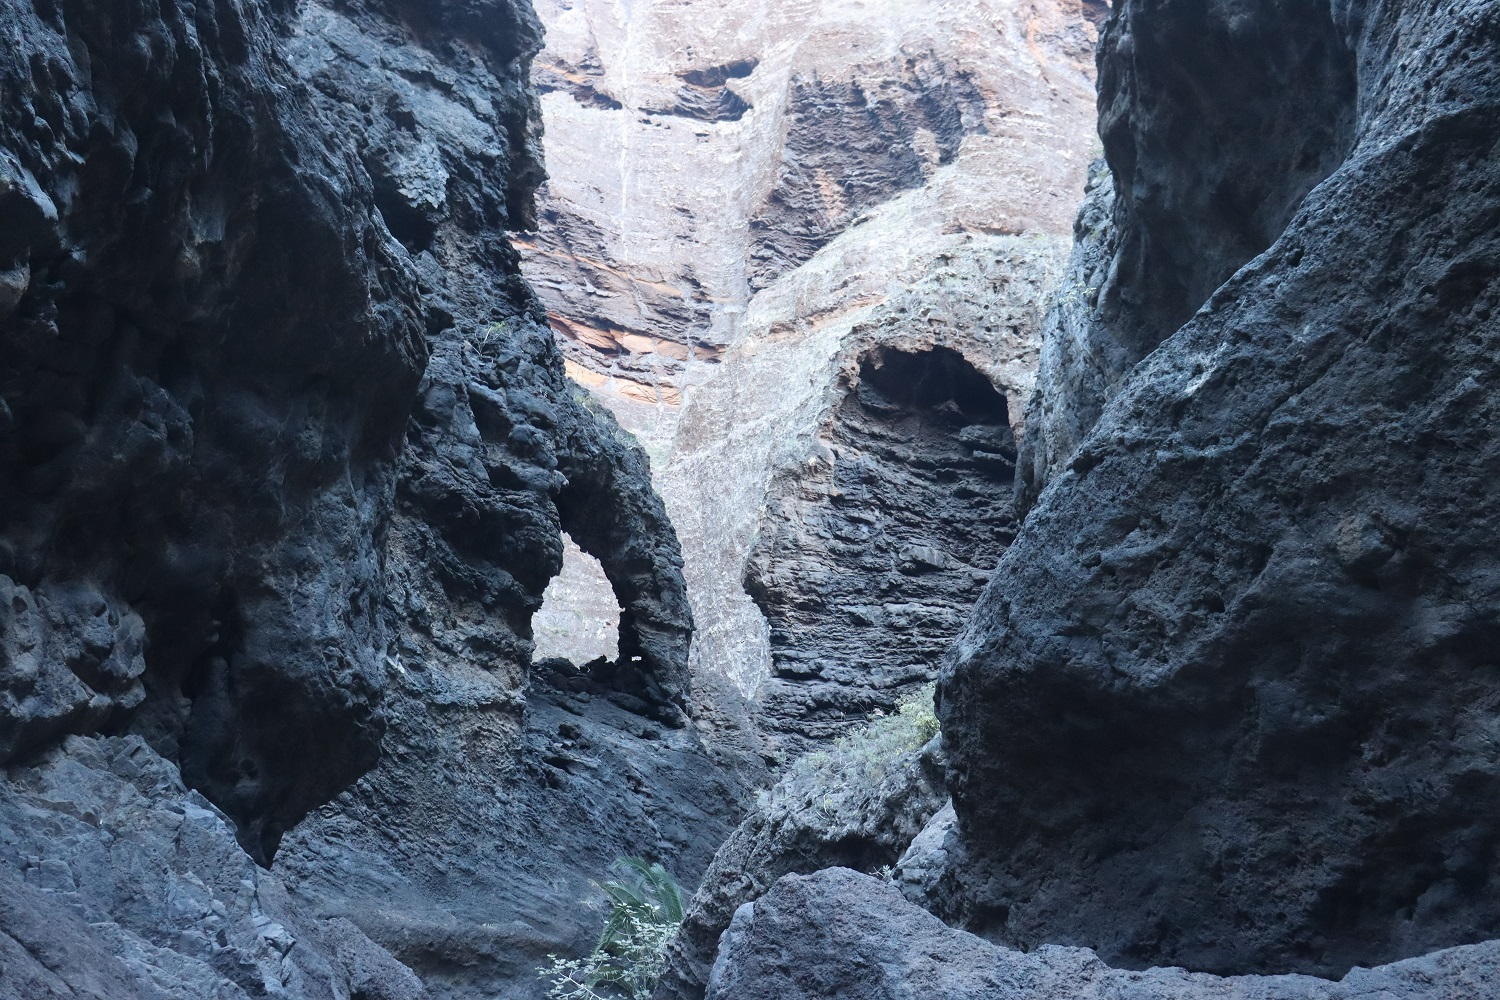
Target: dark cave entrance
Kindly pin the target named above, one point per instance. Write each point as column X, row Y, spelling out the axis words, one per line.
column 871, row 553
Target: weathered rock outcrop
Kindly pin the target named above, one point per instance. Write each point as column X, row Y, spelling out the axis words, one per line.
column 873, row 551
column 857, row 806
column 211, row 347
column 286, row 450
column 1229, row 700
column 1210, row 179
column 840, row 934
column 120, row 884
column 468, row 852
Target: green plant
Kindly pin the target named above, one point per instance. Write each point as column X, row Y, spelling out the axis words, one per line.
column 645, row 909
column 858, row 764
column 884, row 742
column 493, row 330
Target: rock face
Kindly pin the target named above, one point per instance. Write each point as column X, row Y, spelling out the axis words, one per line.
column 853, row 807
column 842, row 934
column 792, row 189
column 1196, row 210
column 870, row 557
column 198, row 454
column 119, row 884
column 1229, row 699
column 504, row 788
column 468, row 852
column 286, row 454
column 501, row 450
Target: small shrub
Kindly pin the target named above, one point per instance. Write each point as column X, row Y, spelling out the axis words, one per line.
column 884, row 741
column 857, row 764
column 645, row 909
column 499, row 330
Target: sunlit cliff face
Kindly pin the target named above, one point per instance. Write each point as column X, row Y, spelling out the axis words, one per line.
column 740, row 194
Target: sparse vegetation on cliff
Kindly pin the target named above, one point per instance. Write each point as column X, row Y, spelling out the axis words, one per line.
column 867, row 757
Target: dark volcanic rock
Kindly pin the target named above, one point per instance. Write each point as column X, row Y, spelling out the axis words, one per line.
column 1230, row 699
column 1080, row 361
column 502, row 452
column 851, row 808
column 1261, row 109
column 870, row 555
column 281, row 427
column 118, row 883
column 469, row 851
column 503, row 789
column 706, row 96
column 210, row 349
column 839, row 934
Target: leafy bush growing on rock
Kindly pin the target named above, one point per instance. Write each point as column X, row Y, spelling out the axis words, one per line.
column 645, row 910
column 865, row 758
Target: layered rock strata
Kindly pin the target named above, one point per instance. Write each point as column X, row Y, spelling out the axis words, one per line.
column 790, row 187
column 1228, row 700
column 872, row 552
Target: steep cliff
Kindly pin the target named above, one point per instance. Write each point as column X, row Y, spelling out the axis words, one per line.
column 198, row 460
column 287, row 454
column 1228, row 701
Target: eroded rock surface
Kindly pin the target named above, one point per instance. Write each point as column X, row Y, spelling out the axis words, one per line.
column 211, row 347
column 469, row 853
column 1229, row 699
column 842, row 934
column 1211, row 178
column 505, row 786
column 872, row 552
column 287, row 454
column 856, row 807
column 121, row 884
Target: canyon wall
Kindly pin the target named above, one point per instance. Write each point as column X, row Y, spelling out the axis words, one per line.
column 291, row 458
column 288, row 455
column 1227, row 703
column 1248, row 620
column 750, row 210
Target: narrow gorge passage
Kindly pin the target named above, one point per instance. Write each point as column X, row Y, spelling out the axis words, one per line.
column 749, row 500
